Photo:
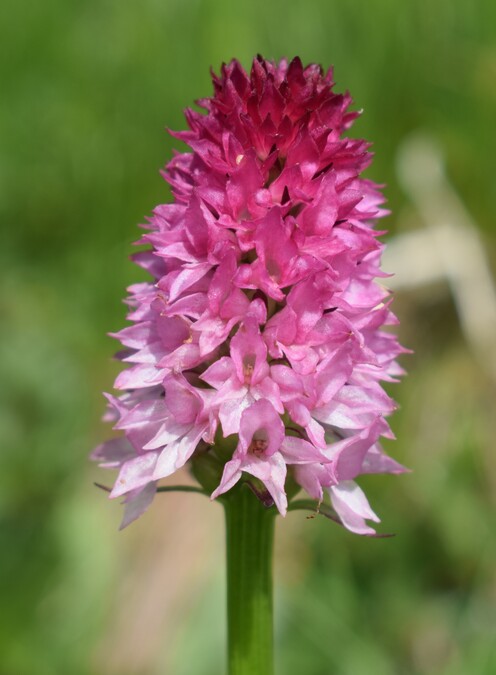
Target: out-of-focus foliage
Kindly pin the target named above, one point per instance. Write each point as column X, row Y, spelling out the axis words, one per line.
column 86, row 91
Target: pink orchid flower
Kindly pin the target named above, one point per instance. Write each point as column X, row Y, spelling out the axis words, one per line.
column 261, row 333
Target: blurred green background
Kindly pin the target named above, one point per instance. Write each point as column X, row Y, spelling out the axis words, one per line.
column 87, row 89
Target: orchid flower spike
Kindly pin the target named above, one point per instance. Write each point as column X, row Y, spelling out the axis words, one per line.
column 257, row 349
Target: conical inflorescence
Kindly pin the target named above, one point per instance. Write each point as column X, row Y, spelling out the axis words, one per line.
column 259, row 341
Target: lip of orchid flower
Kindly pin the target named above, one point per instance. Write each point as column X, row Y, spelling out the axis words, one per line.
column 263, row 310
column 264, row 451
column 243, row 377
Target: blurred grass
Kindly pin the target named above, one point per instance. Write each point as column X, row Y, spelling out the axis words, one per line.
column 86, row 90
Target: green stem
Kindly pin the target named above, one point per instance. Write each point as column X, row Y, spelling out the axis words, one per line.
column 249, row 540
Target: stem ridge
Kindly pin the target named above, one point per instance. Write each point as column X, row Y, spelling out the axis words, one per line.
column 249, row 548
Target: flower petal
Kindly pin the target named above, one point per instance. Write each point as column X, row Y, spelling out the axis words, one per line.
column 135, row 473
column 352, row 507
column 272, row 472
column 176, row 454
column 136, row 504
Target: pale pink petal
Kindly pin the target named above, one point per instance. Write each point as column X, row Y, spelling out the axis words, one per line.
column 376, row 461
column 312, row 478
column 143, row 422
column 137, row 503
column 113, row 453
column 272, row 472
column 135, row 473
column 348, row 455
column 298, row 451
column 184, row 357
column 316, row 433
column 290, row 384
column 168, row 432
column 187, row 277
column 269, row 390
column 219, row 372
column 352, row 507
column 332, row 378
column 249, row 354
column 261, row 417
column 145, row 413
column 135, row 337
column 176, row 454
column 150, row 354
column 138, row 377
column 182, row 400
column 173, row 331
column 191, row 306
column 231, row 475
column 231, row 410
